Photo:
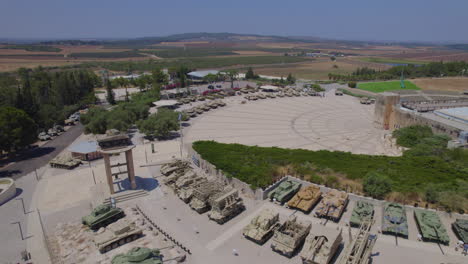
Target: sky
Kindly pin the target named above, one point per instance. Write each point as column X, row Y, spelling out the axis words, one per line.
column 382, row 20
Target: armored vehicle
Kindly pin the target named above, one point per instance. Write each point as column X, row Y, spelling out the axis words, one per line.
column 64, row 162
column 186, row 193
column 213, row 104
column 221, row 103
column 117, row 234
column 59, row 128
column 191, row 112
column 306, row 198
column 290, row 236
column 226, row 206
column 102, row 215
column 244, row 90
column 460, row 228
column 138, row 255
column 176, row 165
column 199, row 110
column 332, row 205
column 339, row 92
column 262, row 226
column 320, row 247
column 365, row 100
column 296, row 93
column 431, row 227
column 205, row 107
column 394, row 220
column 52, row 132
column 186, row 180
column 261, row 96
column 360, row 247
column 171, row 179
column 280, row 95
column 363, row 211
column 284, row 191
column 202, row 194
column 43, row 136
column 201, row 98
column 311, row 93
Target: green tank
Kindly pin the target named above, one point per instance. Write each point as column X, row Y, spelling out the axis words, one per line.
column 394, row 220
column 102, row 215
column 431, row 227
column 284, row 191
column 363, row 211
column 460, row 228
column 138, row 255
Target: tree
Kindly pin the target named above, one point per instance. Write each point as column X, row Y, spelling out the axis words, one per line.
column 352, row 84
column 158, row 76
column 232, row 74
column 250, row 74
column 210, row 78
column 17, row 129
column 160, row 124
column 377, row 185
column 110, row 94
column 290, row 79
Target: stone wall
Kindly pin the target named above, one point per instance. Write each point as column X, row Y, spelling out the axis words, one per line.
column 8, row 190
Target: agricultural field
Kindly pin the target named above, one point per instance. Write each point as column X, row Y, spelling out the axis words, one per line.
column 379, row 87
column 458, row 84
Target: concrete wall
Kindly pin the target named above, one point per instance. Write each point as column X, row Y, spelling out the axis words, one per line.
column 8, row 190
column 384, row 111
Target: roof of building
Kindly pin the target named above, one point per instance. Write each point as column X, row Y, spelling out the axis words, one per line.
column 84, row 147
column 165, row 103
column 459, row 114
column 201, row 74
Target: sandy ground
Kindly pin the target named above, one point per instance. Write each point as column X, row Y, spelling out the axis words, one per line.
column 443, row 84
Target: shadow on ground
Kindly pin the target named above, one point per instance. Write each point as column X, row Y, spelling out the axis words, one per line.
column 147, row 184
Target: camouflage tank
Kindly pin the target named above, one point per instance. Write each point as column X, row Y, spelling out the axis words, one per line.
column 321, row 246
column 202, row 194
column 64, row 162
column 102, row 215
column 332, row 205
column 431, row 227
column 460, row 228
column 191, row 112
column 213, row 104
column 290, row 236
column 117, row 234
column 221, row 103
column 138, row 255
column 306, row 198
column 363, row 211
column 262, row 226
column 394, row 220
column 284, row 191
column 168, row 168
column 199, row 110
column 226, row 206
column 205, row 107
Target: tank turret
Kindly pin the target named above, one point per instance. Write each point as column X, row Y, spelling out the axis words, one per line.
column 102, row 215
column 363, row 211
column 431, row 227
column 394, row 220
column 332, row 205
column 306, row 198
column 284, row 191
column 117, row 234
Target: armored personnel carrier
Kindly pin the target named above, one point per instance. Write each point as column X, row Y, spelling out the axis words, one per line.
column 64, row 162
column 117, row 234
column 101, row 216
column 332, row 205
column 284, row 191
column 321, row 246
column 460, row 228
column 226, row 206
column 360, row 247
column 306, row 198
column 431, row 227
column 262, row 226
column 290, row 236
column 394, row 220
column 138, row 255
column 168, row 168
column 363, row 211
column 202, row 194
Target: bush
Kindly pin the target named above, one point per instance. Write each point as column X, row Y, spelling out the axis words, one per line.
column 317, row 88
column 161, row 124
column 352, row 84
column 377, row 185
column 412, row 135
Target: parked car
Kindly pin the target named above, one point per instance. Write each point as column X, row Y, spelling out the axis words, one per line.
column 43, row 136
column 219, row 86
column 52, row 132
column 210, row 86
column 59, row 128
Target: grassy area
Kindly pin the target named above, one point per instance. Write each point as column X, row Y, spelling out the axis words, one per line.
column 185, row 53
column 33, row 48
column 391, row 60
column 107, row 55
column 379, row 87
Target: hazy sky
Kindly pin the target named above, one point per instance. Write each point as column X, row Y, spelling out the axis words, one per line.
column 403, row 20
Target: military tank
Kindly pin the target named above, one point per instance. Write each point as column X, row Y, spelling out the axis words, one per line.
column 284, row 191
column 221, row 103
column 261, row 96
column 168, row 168
column 226, row 206
column 101, row 216
column 187, row 180
column 186, row 193
column 394, row 220
column 321, row 246
column 138, row 255
column 202, row 194
column 191, row 112
column 431, row 227
column 65, row 162
column 363, row 211
column 332, row 205
column 306, row 198
column 117, row 234
column 262, row 226
column 290, row 236
column 171, row 179
column 338, row 92
column 213, row 104
column 460, row 228
column 199, row 110
column 205, row 107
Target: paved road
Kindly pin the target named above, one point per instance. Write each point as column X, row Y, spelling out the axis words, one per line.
column 39, row 157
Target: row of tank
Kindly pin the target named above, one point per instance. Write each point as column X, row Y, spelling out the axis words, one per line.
column 332, row 204
column 198, row 110
column 286, row 93
column 195, row 98
column 220, row 201
column 318, row 246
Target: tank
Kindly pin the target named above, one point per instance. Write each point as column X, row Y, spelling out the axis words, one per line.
column 117, row 234
column 365, row 100
column 332, row 205
column 280, row 95
column 101, row 216
column 284, row 191
column 191, row 112
column 187, row 180
column 321, row 246
column 262, row 226
column 202, row 194
column 226, row 206
column 306, row 198
column 363, row 211
column 199, row 110
column 431, row 227
column 186, row 193
column 290, row 236
column 168, row 168
column 460, row 228
column 339, row 92
column 138, row 255
column 205, row 107
column 221, row 103
column 213, row 104
column 261, row 96
column 171, row 179
column 64, row 162
column 394, row 220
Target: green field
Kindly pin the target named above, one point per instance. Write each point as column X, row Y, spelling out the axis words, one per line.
column 391, row 60
column 379, row 87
